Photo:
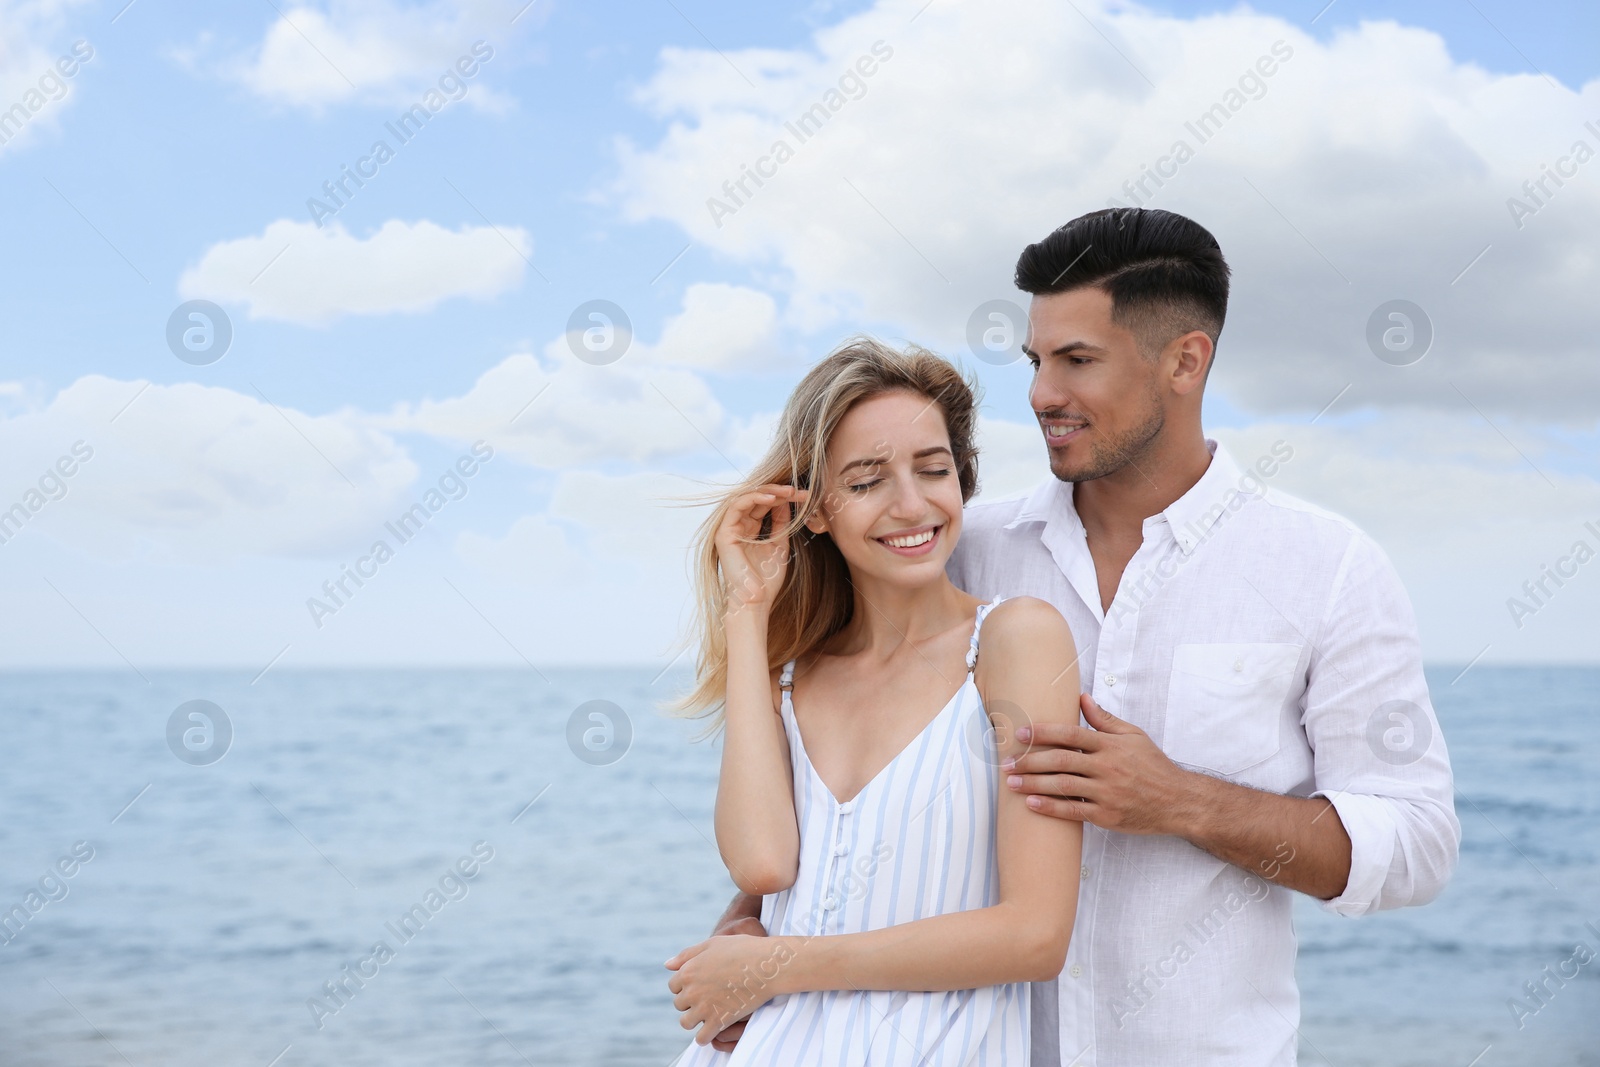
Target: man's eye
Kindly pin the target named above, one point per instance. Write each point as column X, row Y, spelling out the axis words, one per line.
column 938, row 472
column 1079, row 360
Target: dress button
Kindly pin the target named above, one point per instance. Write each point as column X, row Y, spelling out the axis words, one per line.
column 847, row 807
column 1083, row 872
column 1076, row 972
column 1111, row 679
column 1238, row 664
column 840, row 849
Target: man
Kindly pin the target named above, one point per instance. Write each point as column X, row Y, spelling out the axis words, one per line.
column 1257, row 718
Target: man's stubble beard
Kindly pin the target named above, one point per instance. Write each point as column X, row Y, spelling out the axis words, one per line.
column 1107, row 457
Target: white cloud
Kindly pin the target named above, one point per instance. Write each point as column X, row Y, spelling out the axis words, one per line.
column 558, row 411
column 643, row 516
column 373, row 51
column 297, row 272
column 185, row 472
column 39, row 67
column 534, row 550
column 1381, row 167
column 563, row 413
column 721, row 328
column 609, row 559
column 595, row 523
column 1011, row 457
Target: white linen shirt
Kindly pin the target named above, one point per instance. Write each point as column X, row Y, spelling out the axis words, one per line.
column 1258, row 639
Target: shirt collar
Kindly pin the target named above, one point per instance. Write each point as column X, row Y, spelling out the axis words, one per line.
column 1190, row 517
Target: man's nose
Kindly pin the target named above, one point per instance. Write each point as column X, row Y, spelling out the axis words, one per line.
column 1045, row 392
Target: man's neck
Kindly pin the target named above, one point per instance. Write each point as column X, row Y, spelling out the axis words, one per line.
column 1115, row 507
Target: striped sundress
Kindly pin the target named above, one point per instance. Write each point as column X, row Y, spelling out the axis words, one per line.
column 917, row 841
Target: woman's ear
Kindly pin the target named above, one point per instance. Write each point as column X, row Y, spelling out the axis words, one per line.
column 816, row 522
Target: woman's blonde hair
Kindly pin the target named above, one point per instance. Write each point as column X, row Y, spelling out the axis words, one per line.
column 816, row 600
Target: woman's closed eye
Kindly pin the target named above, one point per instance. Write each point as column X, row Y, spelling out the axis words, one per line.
column 861, row 487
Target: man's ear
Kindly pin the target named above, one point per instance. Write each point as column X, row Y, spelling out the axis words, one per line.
column 1191, row 359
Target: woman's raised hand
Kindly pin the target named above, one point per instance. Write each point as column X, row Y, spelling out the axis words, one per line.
column 753, row 567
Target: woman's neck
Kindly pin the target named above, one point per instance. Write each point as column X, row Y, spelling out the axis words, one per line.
column 888, row 615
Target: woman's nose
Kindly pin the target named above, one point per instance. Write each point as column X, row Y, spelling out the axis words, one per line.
column 907, row 502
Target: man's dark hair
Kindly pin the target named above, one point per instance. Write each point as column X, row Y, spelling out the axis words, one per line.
column 1164, row 273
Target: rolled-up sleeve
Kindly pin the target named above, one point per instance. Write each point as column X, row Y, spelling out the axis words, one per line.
column 1379, row 755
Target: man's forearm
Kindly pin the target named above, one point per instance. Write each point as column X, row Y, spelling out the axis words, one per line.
column 1295, row 842
column 742, row 906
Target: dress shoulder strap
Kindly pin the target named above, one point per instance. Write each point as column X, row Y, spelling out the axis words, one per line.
column 977, row 627
column 786, row 679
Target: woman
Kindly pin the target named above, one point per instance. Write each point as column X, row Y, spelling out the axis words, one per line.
column 909, row 898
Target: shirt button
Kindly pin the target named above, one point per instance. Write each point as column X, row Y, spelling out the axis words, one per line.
column 840, row 849
column 847, row 807
column 1111, row 679
column 1238, row 664
column 831, row 903
column 1076, row 971
column 1083, row 872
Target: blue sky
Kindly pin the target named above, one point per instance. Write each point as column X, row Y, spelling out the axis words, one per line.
column 368, row 354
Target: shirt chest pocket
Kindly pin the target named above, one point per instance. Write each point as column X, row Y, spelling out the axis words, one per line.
column 1225, row 703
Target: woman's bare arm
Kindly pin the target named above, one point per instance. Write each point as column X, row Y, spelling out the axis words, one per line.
column 757, row 832
column 1027, row 671
column 1027, row 674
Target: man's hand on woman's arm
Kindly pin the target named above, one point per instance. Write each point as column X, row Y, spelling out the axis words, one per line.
column 1380, row 829
column 1111, row 774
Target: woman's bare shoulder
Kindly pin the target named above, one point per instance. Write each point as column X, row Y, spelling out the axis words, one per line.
column 1025, row 626
column 1019, row 616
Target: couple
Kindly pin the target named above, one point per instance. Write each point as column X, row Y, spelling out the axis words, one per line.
column 938, row 861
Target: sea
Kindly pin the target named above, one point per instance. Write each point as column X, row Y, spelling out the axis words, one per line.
column 206, row 865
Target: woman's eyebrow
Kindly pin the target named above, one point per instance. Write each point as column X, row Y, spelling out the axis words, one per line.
column 881, row 460
column 876, row 461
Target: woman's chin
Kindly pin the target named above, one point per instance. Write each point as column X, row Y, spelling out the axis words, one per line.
column 910, row 572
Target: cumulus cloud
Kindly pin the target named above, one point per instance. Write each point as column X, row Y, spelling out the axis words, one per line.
column 609, row 557
column 1012, row 457
column 557, row 411
column 594, row 522
column 185, row 472
column 369, row 51
column 1364, row 169
column 562, row 413
column 721, row 328
column 534, row 549
column 298, row 272
column 39, row 67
